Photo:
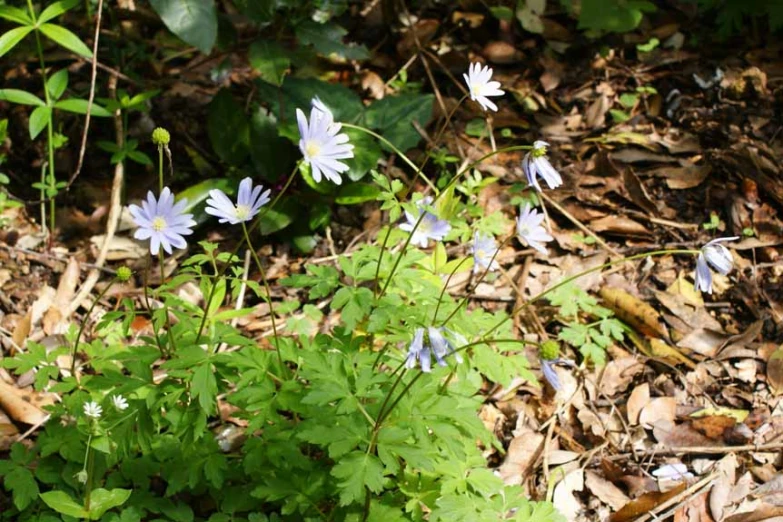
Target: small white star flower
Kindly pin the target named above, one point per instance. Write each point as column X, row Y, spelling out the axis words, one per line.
column 480, row 86
column 535, row 163
column 718, row 257
column 530, row 230
column 92, row 409
column 119, row 402
column 484, row 248
column 321, row 143
column 162, row 221
column 249, row 202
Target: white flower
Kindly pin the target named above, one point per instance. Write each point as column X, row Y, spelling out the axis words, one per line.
column 480, row 86
column 321, row 144
column 535, row 163
column 249, row 202
column 484, row 248
column 430, row 226
column 162, row 221
column 119, row 402
column 718, row 257
column 92, row 409
column 676, row 471
column 530, row 230
column 437, row 345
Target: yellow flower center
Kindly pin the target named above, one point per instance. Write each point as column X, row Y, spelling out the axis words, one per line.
column 158, row 224
column 242, row 212
column 475, row 89
column 312, row 148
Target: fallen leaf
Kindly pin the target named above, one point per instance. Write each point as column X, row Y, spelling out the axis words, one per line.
column 19, row 406
column 522, row 453
column 634, row 312
column 605, row 490
column 618, row 375
column 660, row 408
column 55, row 320
column 775, row 370
column 638, row 399
column 563, row 498
column 647, row 502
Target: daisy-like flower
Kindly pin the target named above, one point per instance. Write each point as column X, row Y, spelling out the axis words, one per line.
column 483, row 249
column 480, row 86
column 321, row 143
column 529, row 228
column 119, row 402
column 162, row 221
column 92, row 409
column 249, row 202
column 430, row 227
column 535, row 163
column 437, row 344
column 714, row 255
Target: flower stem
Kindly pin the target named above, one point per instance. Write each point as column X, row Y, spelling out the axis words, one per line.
column 84, row 324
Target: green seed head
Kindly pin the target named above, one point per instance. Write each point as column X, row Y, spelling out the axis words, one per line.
column 161, row 137
column 549, row 350
column 82, row 477
column 124, row 274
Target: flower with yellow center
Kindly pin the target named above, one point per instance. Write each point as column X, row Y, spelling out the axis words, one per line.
column 162, row 221
column 249, row 201
column 480, row 86
column 322, row 144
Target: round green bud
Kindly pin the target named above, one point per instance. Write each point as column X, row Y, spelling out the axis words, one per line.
column 549, row 350
column 82, row 477
column 124, row 274
column 161, row 137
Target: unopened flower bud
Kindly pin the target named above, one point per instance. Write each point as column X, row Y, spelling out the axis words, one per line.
column 549, row 350
column 82, row 477
column 124, row 274
column 161, row 137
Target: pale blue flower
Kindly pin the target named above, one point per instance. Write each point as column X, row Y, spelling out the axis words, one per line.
column 162, row 221
column 718, row 257
column 430, row 227
column 321, row 143
column 548, row 369
column 484, row 248
column 530, row 230
column 437, row 344
column 249, row 202
column 535, row 163
column 480, row 86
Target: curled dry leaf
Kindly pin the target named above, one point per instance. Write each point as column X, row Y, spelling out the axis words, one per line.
column 618, row 375
column 522, row 454
column 645, row 504
column 775, row 371
column 18, row 404
column 638, row 399
column 660, row 408
column 634, row 312
column 55, row 320
column 605, row 491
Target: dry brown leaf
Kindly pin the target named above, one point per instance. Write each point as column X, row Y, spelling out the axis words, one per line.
column 618, row 375
column 694, row 510
column 661, row 350
column 523, row 451
column 639, row 398
column 22, row 330
column 605, row 491
column 19, row 406
column 660, row 408
column 619, row 225
column 55, row 320
column 501, row 52
column 8, row 432
column 775, row 370
column 563, row 497
column 372, row 82
column 634, row 312
column 595, row 115
column 727, row 477
column 644, row 504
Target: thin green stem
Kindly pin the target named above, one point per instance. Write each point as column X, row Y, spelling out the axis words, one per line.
column 169, row 334
column 380, row 258
column 160, row 169
column 268, row 295
column 208, row 303
column 149, row 308
column 84, row 324
column 445, row 287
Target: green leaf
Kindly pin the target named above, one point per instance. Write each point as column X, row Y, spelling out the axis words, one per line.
column 277, row 218
column 102, row 500
column 628, row 100
column 198, row 193
column 39, row 118
column 61, row 502
column 366, row 152
column 10, row 38
column 393, row 116
column 355, row 193
column 20, row 97
column 259, row 11
column 62, row 36
column 204, row 387
column 327, row 39
column 271, row 155
column 600, row 15
column 14, row 14
column 355, row 303
column 23, row 486
column 270, row 59
column 228, row 128
column 78, row 106
column 193, row 21
column 502, row 13
column 57, row 83
column 358, row 470
column 56, row 9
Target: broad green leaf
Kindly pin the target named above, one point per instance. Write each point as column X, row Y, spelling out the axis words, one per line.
column 61, row 502
column 78, row 106
column 39, row 118
column 355, row 303
column 57, row 83
column 261, row 12
column 56, row 9
column 65, row 38
column 619, row 17
column 356, row 471
column 366, row 152
column 102, row 500
column 20, row 97
column 270, row 59
column 393, row 116
column 272, row 156
column 327, row 39
column 14, row 14
column 355, row 193
column 204, row 387
column 22, row 485
column 193, row 21
column 228, row 128
column 10, row 38
column 502, row 13
column 279, row 217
